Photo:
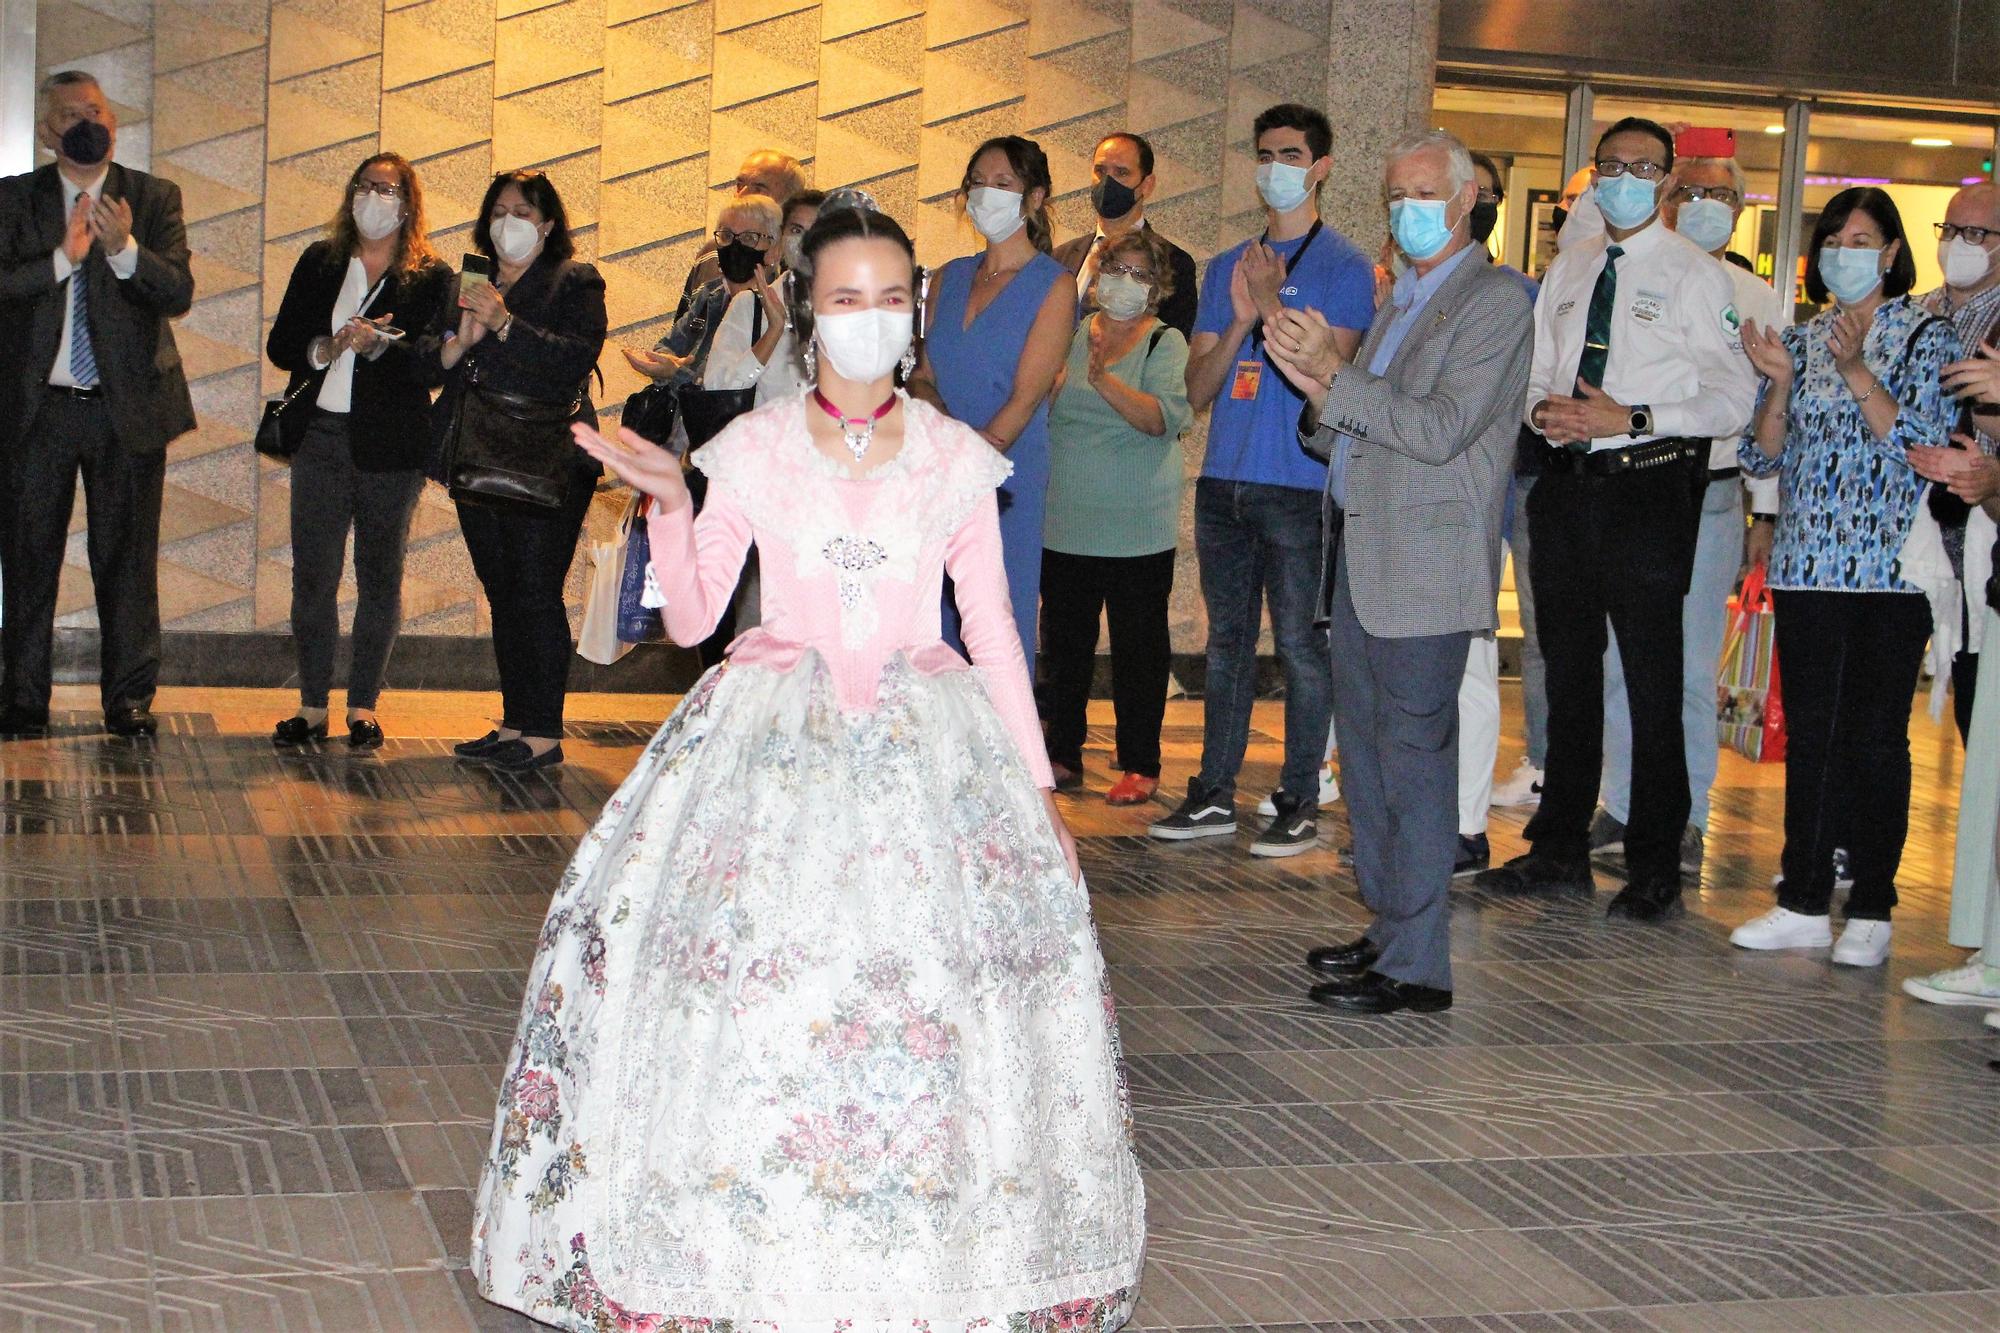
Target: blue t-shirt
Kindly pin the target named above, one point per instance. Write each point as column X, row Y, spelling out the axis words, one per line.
column 1257, row 439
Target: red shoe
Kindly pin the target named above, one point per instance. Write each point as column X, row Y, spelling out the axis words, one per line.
column 1132, row 789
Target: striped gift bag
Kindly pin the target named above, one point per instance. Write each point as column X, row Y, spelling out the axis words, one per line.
column 1749, row 703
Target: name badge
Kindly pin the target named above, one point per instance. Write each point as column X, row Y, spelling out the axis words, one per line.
column 1647, row 307
column 1248, row 375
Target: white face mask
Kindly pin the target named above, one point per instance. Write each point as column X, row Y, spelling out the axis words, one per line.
column 1122, row 296
column 1281, row 185
column 376, row 217
column 864, row 345
column 1964, row 264
column 515, row 238
column 996, row 213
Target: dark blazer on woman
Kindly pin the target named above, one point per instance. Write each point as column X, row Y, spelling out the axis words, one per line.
column 558, row 332
column 389, row 410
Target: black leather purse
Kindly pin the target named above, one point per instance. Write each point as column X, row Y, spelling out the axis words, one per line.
column 282, row 429
column 508, row 450
column 704, row 412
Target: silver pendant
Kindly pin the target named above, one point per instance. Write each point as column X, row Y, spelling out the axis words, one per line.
column 859, row 434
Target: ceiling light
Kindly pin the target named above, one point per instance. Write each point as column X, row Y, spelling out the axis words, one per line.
column 1927, row 141
column 1774, row 129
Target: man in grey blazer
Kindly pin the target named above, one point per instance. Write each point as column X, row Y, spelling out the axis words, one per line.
column 1418, row 433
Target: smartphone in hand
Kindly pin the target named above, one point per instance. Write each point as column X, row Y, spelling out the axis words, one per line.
column 476, row 269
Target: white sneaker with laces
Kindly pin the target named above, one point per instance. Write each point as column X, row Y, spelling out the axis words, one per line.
column 1972, row 983
column 1522, row 787
column 1782, row 928
column 1863, row 944
column 1329, row 792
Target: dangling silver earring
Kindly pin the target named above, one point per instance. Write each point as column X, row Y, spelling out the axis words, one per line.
column 811, row 358
column 909, row 362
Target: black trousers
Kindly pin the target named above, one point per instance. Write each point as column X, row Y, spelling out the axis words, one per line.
column 1619, row 548
column 1849, row 663
column 522, row 560
column 1964, row 687
column 1133, row 592
column 122, row 493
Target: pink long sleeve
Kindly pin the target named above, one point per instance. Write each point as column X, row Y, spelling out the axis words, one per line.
column 986, row 615
column 697, row 561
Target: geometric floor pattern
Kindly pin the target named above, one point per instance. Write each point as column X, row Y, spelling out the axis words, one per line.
column 253, row 1008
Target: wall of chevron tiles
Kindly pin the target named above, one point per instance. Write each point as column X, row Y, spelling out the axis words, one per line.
column 640, row 110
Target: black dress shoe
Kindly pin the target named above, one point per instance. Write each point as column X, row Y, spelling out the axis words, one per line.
column 24, row 722
column 1538, row 872
column 1340, row 960
column 478, row 749
column 297, row 731
column 519, row 757
column 131, row 722
column 1373, row 993
column 365, row 734
column 1653, row 901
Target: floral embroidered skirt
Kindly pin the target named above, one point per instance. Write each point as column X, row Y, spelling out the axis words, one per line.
column 817, row 1039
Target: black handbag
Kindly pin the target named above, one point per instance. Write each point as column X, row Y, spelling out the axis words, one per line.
column 650, row 413
column 704, row 412
column 508, row 450
column 282, row 429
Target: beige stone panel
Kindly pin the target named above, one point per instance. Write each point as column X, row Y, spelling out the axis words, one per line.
column 279, row 259
column 651, row 206
column 418, row 131
column 415, row 48
column 846, row 157
column 1159, row 29
column 843, row 18
column 735, row 135
column 1055, row 96
column 547, row 45
column 976, row 76
column 635, row 141
column 300, row 122
column 626, row 11
column 942, row 233
column 849, row 80
column 733, row 14
column 66, row 33
column 656, row 53
column 203, row 356
column 301, row 45
column 188, row 116
column 1256, row 38
column 744, row 73
column 947, row 24
column 523, row 134
column 189, row 34
column 944, row 149
column 185, row 514
column 1056, row 24
column 509, row 9
column 212, row 277
column 185, row 592
column 73, row 590
column 202, row 198
column 633, row 297
column 293, row 202
column 1155, row 104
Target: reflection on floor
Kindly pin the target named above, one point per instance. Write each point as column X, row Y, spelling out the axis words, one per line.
column 252, row 1009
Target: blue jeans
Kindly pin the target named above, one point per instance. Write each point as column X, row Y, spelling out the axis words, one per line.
column 1259, row 542
column 1534, row 674
column 1718, row 555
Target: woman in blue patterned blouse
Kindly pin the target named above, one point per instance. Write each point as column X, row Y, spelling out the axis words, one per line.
column 1846, row 395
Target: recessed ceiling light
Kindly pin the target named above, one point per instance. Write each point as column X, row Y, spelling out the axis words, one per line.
column 1774, row 129
column 1926, row 141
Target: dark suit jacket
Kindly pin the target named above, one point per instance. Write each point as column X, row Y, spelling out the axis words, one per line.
column 558, row 332
column 137, row 361
column 1177, row 311
column 389, row 411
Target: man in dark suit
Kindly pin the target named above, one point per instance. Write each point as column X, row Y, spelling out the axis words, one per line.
column 93, row 262
column 1122, row 170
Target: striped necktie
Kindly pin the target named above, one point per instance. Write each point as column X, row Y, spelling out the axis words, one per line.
column 82, row 359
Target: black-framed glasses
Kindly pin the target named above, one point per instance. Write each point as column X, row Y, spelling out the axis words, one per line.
column 1722, row 194
column 1488, row 196
column 756, row 240
column 1977, row 235
column 1611, row 169
column 383, row 188
column 1144, row 275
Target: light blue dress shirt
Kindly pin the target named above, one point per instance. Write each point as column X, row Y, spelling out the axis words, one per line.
column 1408, row 299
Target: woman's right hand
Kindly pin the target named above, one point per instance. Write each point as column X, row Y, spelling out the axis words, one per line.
column 653, row 365
column 640, row 463
column 1767, row 354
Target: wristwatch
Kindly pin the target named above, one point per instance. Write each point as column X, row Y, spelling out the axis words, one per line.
column 1763, row 518
column 1642, row 420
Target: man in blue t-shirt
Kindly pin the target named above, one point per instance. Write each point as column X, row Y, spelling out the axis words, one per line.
column 1257, row 505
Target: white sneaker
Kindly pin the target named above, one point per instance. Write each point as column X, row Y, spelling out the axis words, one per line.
column 1782, row 928
column 1992, row 1020
column 1522, row 787
column 1863, row 944
column 1973, row 983
column 1329, row 792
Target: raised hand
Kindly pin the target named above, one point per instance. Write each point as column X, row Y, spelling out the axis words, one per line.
column 1241, row 307
column 641, row 463
column 486, row 304
column 653, row 365
column 78, row 234
column 1263, row 274
column 1844, row 340
column 1306, row 339
column 111, row 223
column 1767, row 354
column 1978, row 376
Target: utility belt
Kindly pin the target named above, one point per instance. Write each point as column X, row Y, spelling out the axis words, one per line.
column 1672, row 451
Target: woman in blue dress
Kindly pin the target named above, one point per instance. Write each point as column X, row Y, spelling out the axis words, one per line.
column 998, row 327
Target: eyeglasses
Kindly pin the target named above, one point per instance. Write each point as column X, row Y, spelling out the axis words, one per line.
column 1127, row 271
column 1611, row 169
column 1977, row 235
column 1489, row 196
column 387, row 191
column 1722, row 194
column 756, row 240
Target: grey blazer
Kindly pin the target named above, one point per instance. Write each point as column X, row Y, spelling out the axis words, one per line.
column 1434, row 448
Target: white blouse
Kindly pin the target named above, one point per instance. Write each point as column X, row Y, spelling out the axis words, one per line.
column 336, row 391
column 732, row 357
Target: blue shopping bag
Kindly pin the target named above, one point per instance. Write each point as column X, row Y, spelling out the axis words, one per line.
column 637, row 622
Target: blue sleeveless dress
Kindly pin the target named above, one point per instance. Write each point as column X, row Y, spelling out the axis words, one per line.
column 975, row 369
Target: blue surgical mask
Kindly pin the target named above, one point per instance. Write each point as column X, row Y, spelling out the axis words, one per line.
column 1419, row 227
column 1706, row 222
column 1626, row 201
column 1850, row 272
column 1282, row 185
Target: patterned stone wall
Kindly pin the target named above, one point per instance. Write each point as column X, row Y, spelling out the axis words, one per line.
column 640, row 110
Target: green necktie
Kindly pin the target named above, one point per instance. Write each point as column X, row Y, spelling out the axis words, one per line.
column 1597, row 328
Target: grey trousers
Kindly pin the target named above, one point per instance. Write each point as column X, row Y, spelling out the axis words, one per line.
column 329, row 496
column 1395, row 705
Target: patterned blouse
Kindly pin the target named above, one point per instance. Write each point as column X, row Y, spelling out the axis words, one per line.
column 1848, row 496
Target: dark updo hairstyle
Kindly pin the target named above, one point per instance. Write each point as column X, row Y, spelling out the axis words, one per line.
column 537, row 189
column 1901, row 278
column 1031, row 168
column 842, row 224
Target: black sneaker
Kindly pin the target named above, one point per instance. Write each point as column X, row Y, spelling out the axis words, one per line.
column 1474, row 855
column 1607, row 835
column 1294, row 829
column 1199, row 816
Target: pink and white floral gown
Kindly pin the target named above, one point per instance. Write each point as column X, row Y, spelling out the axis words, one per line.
column 817, row 1038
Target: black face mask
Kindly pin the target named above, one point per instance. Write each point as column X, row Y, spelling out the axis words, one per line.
column 1113, row 198
column 738, row 261
column 1485, row 217
column 1559, row 215
column 86, row 143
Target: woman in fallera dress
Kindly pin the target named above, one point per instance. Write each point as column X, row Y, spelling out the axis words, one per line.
column 818, row 1037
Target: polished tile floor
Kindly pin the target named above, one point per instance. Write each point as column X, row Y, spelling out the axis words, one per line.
column 252, row 1010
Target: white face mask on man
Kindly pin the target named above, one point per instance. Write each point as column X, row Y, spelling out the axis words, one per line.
column 1964, row 264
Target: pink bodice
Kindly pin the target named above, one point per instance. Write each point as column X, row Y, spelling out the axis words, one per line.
column 853, row 566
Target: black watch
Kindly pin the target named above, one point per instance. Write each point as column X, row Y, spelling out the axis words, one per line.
column 1642, row 420
column 1763, row 518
